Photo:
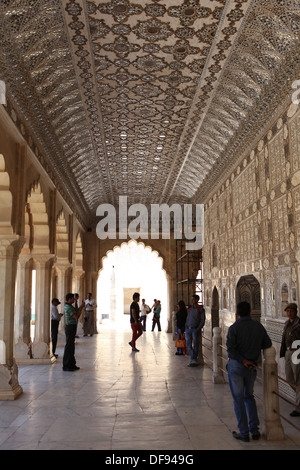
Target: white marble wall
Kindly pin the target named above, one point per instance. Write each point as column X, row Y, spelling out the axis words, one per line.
column 252, row 226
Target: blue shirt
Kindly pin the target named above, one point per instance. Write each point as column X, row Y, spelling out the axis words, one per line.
column 195, row 317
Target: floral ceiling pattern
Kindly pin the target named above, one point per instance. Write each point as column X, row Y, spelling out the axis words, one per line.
column 148, row 99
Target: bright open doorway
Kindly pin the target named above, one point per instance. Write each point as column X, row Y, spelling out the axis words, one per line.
column 131, row 267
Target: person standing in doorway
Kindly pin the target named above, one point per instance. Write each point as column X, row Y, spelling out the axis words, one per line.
column 181, row 315
column 55, row 319
column 194, row 323
column 135, row 321
column 71, row 317
column 245, row 340
column 156, row 315
column 291, row 333
column 145, row 310
column 89, row 316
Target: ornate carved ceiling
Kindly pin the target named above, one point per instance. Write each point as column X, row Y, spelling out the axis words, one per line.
column 143, row 98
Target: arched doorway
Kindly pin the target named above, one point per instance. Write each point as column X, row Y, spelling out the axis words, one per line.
column 131, row 267
column 215, row 309
column 248, row 290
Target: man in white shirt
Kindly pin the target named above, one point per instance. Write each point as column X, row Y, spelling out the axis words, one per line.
column 89, row 316
column 145, row 309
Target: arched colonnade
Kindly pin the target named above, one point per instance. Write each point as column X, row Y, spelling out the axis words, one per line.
column 40, row 235
column 37, row 234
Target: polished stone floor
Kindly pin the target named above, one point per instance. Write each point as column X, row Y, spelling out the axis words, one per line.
column 119, row 400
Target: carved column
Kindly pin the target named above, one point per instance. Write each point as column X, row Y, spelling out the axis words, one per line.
column 79, row 283
column 91, row 283
column 64, row 286
column 10, row 248
column 23, row 310
column 218, row 377
column 79, row 289
column 41, row 344
column 171, row 283
column 274, row 428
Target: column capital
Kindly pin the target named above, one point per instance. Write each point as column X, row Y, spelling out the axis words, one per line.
column 43, row 258
column 16, row 242
column 79, row 272
column 38, row 258
column 63, row 266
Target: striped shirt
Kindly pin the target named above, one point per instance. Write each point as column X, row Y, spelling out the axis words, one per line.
column 69, row 312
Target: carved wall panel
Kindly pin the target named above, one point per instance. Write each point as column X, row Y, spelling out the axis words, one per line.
column 277, row 160
column 294, row 131
column 280, row 225
column 254, row 215
column 244, row 190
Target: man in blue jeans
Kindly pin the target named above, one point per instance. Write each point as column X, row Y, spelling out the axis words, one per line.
column 245, row 340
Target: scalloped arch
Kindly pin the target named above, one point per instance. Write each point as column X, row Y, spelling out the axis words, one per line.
column 127, row 267
column 79, row 251
column 62, row 236
column 119, row 246
column 36, row 221
column 5, row 199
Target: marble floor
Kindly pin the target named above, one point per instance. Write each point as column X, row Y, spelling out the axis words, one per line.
column 119, row 400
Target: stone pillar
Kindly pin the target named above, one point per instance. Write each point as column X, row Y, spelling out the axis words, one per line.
column 41, row 344
column 10, row 248
column 23, row 310
column 200, row 354
column 63, row 288
column 174, row 325
column 274, row 429
column 79, row 289
column 171, row 283
column 218, row 377
column 91, row 286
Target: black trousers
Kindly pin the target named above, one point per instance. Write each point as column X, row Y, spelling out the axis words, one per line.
column 54, row 333
column 156, row 321
column 69, row 361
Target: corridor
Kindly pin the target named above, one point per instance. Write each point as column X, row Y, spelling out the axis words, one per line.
column 120, row 400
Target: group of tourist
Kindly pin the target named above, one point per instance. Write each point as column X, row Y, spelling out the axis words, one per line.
column 145, row 310
column 189, row 323
column 245, row 340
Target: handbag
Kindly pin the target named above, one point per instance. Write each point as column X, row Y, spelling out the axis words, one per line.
column 180, row 343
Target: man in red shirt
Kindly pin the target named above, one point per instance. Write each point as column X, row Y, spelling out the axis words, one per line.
column 135, row 321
